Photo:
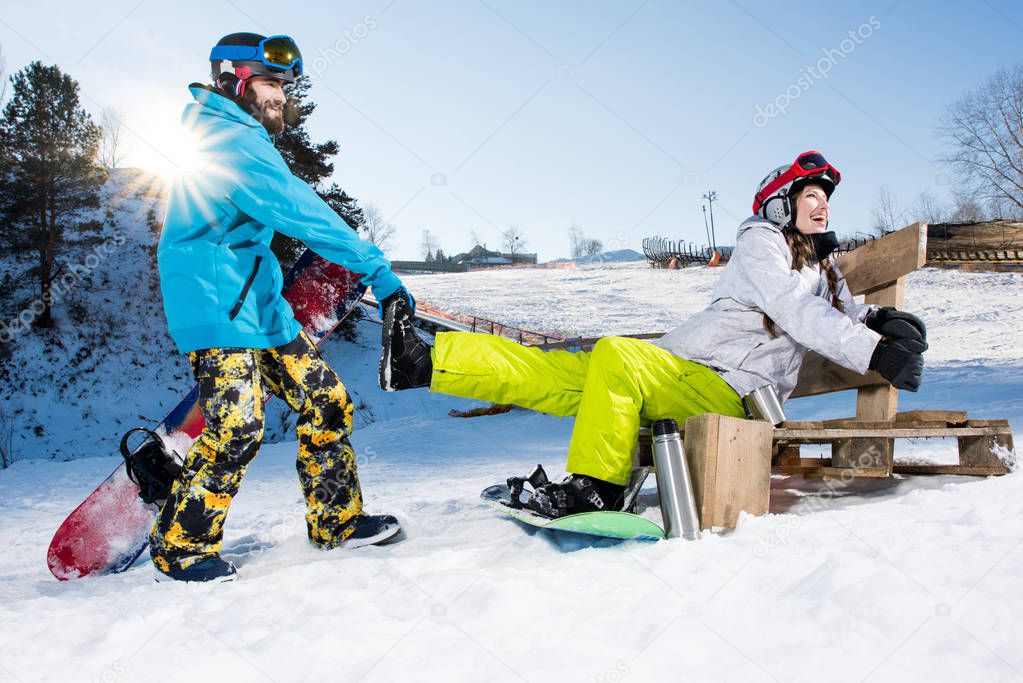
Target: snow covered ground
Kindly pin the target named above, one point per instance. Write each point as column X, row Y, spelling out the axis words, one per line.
column 911, row 579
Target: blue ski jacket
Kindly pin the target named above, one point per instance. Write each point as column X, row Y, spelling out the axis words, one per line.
column 221, row 283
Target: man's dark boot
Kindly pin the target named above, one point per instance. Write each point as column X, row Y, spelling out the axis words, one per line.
column 372, row 530
column 405, row 362
column 210, row 569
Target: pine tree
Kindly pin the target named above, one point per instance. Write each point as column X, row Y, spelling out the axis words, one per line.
column 307, row 160
column 48, row 162
column 312, row 163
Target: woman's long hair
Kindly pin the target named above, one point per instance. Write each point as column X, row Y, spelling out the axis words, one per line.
column 803, row 254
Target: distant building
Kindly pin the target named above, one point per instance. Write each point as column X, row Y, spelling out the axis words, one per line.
column 480, row 257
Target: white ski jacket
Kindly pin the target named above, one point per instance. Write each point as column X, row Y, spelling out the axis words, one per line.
column 729, row 335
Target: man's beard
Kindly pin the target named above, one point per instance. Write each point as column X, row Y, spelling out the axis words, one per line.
column 272, row 118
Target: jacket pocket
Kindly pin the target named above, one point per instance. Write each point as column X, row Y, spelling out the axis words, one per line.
column 245, row 290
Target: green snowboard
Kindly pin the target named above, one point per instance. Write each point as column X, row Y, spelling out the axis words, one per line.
column 622, row 525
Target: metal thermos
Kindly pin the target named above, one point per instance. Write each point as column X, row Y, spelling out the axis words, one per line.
column 763, row 404
column 675, row 488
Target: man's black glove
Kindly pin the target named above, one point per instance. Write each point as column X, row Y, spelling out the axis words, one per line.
column 893, row 323
column 900, row 361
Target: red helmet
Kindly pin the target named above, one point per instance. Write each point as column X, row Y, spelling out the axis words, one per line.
column 773, row 198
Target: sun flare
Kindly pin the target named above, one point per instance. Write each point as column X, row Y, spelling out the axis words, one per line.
column 158, row 143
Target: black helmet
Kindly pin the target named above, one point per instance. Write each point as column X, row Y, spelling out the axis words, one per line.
column 238, row 57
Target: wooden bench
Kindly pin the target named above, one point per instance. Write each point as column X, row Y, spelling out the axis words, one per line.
column 731, row 459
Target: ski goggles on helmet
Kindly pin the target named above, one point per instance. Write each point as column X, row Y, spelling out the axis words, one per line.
column 807, row 165
column 276, row 52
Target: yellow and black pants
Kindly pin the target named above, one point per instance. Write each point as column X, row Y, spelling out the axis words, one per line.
column 232, row 386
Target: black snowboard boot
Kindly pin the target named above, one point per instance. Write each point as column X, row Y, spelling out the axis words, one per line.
column 373, row 530
column 210, row 569
column 405, row 362
column 574, row 494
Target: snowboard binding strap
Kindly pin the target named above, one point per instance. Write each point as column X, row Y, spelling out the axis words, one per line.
column 150, row 466
column 536, row 478
column 547, row 499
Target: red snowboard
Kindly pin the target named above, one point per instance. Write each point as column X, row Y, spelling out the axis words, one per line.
column 110, row 529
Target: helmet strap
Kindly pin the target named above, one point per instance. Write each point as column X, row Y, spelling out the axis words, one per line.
column 242, row 74
column 229, row 85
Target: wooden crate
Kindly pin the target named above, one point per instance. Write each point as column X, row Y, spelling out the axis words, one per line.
column 729, row 462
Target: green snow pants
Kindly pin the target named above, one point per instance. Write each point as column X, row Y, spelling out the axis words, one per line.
column 609, row 390
column 232, row 387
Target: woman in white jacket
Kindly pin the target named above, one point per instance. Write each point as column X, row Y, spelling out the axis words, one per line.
column 778, row 296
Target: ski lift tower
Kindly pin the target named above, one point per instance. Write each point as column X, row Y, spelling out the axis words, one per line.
column 705, row 226
column 711, row 197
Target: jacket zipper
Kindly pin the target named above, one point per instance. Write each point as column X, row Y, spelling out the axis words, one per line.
column 245, row 290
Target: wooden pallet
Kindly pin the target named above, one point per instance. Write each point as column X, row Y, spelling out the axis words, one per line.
column 862, row 449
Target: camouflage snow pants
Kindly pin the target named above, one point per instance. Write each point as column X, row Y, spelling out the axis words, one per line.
column 232, row 386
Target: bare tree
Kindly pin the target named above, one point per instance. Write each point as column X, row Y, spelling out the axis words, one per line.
column 886, row 215
column 474, row 237
column 575, row 240
column 928, row 210
column 111, row 143
column 581, row 244
column 1003, row 209
column 985, row 131
column 375, row 229
column 967, row 210
column 513, row 240
column 428, row 245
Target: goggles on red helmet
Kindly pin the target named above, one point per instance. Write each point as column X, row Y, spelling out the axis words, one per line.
column 807, row 165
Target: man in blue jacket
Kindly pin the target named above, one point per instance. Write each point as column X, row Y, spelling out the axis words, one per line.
column 222, row 295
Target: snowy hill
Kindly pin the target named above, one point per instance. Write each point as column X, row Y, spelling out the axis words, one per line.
column 910, row 579
column 617, row 256
column 64, row 389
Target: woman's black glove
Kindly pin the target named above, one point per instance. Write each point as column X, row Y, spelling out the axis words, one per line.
column 900, row 361
column 896, row 324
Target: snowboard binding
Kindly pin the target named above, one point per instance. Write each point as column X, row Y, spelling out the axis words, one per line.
column 516, row 485
column 150, row 466
column 575, row 493
column 540, row 499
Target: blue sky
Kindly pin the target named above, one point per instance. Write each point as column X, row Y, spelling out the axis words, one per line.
column 470, row 116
